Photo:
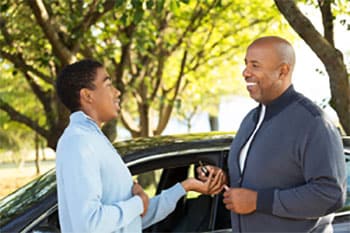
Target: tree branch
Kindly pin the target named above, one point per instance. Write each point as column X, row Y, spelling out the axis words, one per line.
column 165, row 112
column 93, row 15
column 19, row 117
column 124, row 58
column 43, row 19
column 330, row 56
column 327, row 20
column 195, row 22
column 17, row 58
column 89, row 19
column 43, row 96
column 19, row 62
column 129, row 123
column 158, row 77
column 303, row 27
column 191, row 26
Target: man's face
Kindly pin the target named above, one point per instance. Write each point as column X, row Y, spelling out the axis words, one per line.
column 105, row 98
column 262, row 73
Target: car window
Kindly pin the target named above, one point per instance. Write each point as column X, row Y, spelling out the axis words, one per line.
column 194, row 212
column 347, row 204
column 342, row 217
column 149, row 181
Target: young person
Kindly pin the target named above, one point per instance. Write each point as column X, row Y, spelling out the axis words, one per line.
column 96, row 192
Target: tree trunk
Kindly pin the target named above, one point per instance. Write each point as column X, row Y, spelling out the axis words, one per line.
column 214, row 123
column 145, row 123
column 57, row 129
column 331, row 57
column 110, row 130
column 37, row 162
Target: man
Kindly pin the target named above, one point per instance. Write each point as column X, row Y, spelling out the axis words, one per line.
column 286, row 164
column 96, row 192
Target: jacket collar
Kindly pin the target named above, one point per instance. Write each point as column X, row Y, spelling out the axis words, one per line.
column 280, row 103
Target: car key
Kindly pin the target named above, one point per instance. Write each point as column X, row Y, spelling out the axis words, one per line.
column 203, row 168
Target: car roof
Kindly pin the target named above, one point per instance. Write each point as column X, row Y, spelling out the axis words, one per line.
column 143, row 145
column 138, row 148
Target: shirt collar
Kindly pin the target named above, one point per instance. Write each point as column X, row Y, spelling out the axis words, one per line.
column 82, row 118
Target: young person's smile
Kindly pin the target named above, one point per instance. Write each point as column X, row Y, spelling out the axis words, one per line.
column 105, row 97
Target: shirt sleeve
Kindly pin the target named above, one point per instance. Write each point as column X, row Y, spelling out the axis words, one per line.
column 324, row 190
column 83, row 191
column 162, row 205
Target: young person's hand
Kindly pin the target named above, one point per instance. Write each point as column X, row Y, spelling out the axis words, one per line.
column 138, row 190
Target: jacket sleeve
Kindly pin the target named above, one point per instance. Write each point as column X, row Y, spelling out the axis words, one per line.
column 323, row 165
column 83, row 192
column 162, row 205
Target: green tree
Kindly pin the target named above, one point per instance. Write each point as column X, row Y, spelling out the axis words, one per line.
column 153, row 50
column 324, row 47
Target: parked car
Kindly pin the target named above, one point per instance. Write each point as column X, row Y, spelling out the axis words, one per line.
column 169, row 159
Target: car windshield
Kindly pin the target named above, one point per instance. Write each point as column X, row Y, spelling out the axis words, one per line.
column 347, row 204
column 24, row 198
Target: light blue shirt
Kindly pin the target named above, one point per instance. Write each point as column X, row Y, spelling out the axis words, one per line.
column 94, row 185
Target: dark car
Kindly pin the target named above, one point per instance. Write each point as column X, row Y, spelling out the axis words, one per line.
column 158, row 162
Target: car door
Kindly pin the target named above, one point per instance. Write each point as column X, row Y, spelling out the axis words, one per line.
column 194, row 212
column 341, row 222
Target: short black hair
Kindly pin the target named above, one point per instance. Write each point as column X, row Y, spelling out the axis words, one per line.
column 73, row 78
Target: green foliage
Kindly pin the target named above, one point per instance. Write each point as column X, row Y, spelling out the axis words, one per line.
column 160, row 53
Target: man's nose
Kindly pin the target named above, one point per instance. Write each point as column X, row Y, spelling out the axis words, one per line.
column 245, row 72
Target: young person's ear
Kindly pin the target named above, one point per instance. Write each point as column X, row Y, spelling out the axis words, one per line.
column 85, row 95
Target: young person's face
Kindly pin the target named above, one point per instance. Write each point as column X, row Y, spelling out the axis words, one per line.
column 105, row 97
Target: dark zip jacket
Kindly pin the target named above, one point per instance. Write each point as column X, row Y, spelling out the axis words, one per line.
column 295, row 163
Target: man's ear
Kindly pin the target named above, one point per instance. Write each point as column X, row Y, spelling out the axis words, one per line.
column 284, row 70
column 85, row 95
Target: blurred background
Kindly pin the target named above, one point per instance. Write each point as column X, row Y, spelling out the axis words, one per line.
column 177, row 63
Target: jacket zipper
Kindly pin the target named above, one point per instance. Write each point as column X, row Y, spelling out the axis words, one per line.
column 240, row 181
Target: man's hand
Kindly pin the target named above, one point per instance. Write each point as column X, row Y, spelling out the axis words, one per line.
column 240, row 200
column 214, row 171
column 138, row 190
column 213, row 184
column 211, row 169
